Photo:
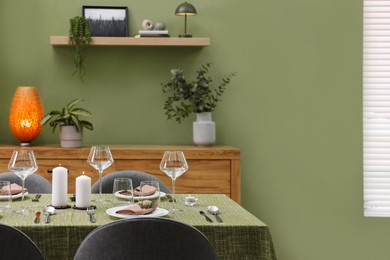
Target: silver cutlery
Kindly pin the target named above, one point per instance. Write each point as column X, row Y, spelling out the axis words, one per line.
column 215, row 211
column 207, row 218
column 91, row 213
column 36, row 198
column 49, row 210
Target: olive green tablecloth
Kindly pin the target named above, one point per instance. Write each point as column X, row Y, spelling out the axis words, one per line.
column 240, row 236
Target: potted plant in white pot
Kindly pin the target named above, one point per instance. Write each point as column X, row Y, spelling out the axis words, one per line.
column 69, row 122
column 186, row 97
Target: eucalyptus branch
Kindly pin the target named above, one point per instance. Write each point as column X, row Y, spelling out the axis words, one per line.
column 186, row 97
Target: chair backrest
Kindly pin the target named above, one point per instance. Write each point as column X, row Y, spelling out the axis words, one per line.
column 15, row 245
column 34, row 183
column 144, row 239
column 136, row 176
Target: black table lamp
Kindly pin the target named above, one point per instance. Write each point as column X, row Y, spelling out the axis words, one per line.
column 185, row 9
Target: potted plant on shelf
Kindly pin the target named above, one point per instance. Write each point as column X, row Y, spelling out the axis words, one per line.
column 69, row 122
column 79, row 39
column 198, row 96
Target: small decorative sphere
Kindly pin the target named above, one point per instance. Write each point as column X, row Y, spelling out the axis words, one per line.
column 159, row 26
column 147, row 24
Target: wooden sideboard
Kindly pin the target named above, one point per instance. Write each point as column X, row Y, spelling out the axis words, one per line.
column 211, row 169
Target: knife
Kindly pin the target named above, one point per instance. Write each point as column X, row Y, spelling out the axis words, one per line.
column 219, row 219
column 207, row 218
column 37, row 215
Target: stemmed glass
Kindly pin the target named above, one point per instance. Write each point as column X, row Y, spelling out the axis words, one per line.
column 100, row 158
column 23, row 164
column 6, row 200
column 174, row 164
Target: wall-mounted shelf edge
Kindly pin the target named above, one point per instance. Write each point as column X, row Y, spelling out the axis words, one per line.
column 131, row 41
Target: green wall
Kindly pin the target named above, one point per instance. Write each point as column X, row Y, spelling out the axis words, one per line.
column 294, row 109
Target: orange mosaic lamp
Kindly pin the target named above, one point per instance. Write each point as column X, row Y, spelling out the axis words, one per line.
column 26, row 114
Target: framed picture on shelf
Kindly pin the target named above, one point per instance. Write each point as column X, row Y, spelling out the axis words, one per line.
column 107, row 21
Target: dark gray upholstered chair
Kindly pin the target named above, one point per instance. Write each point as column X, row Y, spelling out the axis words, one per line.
column 145, row 239
column 136, row 176
column 34, row 183
column 15, row 245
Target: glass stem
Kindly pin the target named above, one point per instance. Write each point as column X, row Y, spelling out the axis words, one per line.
column 173, row 192
column 23, row 189
column 100, row 184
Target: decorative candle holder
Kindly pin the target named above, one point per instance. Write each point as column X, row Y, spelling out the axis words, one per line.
column 61, row 207
column 84, row 208
column 190, row 201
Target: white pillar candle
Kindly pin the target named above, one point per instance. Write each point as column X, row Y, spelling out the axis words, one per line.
column 59, row 196
column 83, row 191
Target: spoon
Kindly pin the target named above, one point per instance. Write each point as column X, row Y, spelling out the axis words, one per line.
column 215, row 211
column 49, row 210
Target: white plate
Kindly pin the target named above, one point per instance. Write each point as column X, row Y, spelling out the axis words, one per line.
column 16, row 196
column 158, row 212
column 128, row 197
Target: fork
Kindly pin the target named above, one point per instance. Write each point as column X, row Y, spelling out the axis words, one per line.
column 36, row 198
column 91, row 213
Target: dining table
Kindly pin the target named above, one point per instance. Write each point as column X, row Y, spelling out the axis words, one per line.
column 241, row 235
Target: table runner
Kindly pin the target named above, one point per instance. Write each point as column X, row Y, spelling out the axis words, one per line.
column 240, row 236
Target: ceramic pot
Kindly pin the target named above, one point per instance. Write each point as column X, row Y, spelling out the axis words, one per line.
column 204, row 129
column 69, row 137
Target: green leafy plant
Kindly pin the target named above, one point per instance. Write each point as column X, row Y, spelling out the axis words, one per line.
column 186, row 97
column 69, row 116
column 79, row 39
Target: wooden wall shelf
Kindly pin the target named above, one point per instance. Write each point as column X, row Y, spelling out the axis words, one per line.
column 213, row 169
column 131, row 41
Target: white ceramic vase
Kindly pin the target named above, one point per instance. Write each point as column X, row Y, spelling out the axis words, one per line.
column 204, row 129
column 69, row 137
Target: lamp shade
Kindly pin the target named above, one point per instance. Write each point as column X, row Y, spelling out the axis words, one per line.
column 185, row 9
column 26, row 114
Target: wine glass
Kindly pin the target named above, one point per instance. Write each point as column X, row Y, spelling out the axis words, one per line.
column 6, row 197
column 23, row 164
column 123, row 186
column 100, row 158
column 174, row 164
column 156, row 186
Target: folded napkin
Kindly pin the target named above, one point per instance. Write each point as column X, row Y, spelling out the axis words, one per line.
column 146, row 190
column 15, row 189
column 141, row 208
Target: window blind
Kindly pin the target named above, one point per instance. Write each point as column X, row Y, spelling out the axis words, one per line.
column 376, row 108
